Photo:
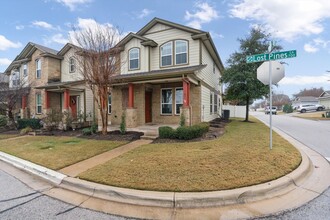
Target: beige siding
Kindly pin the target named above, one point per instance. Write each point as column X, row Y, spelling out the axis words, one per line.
column 325, row 102
column 157, row 28
column 172, row 34
column 89, row 103
column 134, row 43
column 206, row 74
column 66, row 76
column 205, row 107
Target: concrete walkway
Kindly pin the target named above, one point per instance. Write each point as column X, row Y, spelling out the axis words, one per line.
column 75, row 169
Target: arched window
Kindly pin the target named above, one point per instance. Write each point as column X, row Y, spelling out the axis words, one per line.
column 72, row 65
column 166, row 52
column 134, row 58
column 181, row 52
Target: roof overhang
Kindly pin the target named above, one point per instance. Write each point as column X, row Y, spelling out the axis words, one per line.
column 160, row 76
column 61, row 86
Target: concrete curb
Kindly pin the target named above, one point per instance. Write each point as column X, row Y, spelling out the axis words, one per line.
column 45, row 173
column 259, row 192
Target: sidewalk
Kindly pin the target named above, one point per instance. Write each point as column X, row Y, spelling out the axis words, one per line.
column 307, row 182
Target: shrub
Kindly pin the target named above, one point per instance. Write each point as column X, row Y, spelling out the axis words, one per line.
column 87, row 131
column 3, row 120
column 33, row 123
column 166, row 132
column 94, row 128
column 123, row 124
column 287, row 108
column 26, row 130
column 53, row 119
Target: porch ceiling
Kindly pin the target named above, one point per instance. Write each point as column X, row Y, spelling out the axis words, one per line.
column 164, row 75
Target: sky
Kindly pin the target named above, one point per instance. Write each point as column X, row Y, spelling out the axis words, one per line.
column 301, row 25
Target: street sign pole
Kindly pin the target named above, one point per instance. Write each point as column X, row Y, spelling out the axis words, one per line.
column 270, row 98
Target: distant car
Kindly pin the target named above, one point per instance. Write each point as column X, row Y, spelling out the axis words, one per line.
column 274, row 110
column 310, row 107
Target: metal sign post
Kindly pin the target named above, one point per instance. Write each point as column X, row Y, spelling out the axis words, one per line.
column 277, row 77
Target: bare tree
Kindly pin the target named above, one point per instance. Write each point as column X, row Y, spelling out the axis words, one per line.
column 10, row 98
column 99, row 61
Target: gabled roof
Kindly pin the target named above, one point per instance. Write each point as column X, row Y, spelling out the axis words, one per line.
column 195, row 34
column 306, row 99
column 144, row 41
column 27, row 52
column 325, row 94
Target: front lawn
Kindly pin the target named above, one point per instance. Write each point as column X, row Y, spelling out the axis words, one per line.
column 313, row 115
column 241, row 157
column 55, row 152
column 6, row 136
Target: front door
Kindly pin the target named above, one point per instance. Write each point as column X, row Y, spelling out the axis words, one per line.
column 73, row 106
column 148, row 110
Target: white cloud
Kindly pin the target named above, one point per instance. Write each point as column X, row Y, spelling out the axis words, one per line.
column 5, row 62
column 144, row 13
column 57, row 38
column 204, row 13
column 285, row 19
column 91, row 24
column 6, row 44
column 316, row 45
column 19, row 27
column 72, row 4
column 42, row 24
column 216, row 35
column 305, row 80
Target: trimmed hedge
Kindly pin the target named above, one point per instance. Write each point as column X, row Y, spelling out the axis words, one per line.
column 184, row 132
column 34, row 123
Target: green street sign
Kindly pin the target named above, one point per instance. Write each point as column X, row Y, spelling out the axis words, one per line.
column 272, row 56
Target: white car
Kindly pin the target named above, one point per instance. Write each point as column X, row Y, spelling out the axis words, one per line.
column 310, row 107
column 274, row 110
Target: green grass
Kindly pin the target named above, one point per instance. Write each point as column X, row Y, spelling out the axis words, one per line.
column 312, row 115
column 6, row 136
column 239, row 158
column 55, row 152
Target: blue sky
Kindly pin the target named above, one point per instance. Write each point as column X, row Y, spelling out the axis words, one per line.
column 302, row 25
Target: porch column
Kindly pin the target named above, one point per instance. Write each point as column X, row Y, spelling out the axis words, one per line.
column 186, row 92
column 66, row 99
column 23, row 101
column 130, row 95
column 47, row 106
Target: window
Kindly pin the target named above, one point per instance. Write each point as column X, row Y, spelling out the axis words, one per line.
column 211, row 103
column 178, row 100
column 181, row 48
column 15, row 78
column 213, row 67
column 25, row 70
column 38, row 69
column 38, row 104
column 166, row 54
column 109, row 104
column 215, row 103
column 134, row 55
column 72, row 65
column 166, row 102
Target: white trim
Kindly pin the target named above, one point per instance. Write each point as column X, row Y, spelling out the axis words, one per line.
column 170, row 54
column 175, row 53
column 38, row 61
column 138, row 58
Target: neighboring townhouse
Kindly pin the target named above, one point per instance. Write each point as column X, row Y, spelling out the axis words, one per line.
column 324, row 99
column 35, row 66
column 53, row 82
column 70, row 94
column 304, row 100
column 169, row 69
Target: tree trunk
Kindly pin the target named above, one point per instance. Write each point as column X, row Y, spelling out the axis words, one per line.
column 247, row 109
column 104, row 113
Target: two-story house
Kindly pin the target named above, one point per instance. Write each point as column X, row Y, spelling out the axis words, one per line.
column 52, row 80
column 169, row 69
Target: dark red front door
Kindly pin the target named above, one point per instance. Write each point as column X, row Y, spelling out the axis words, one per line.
column 73, row 106
column 148, row 107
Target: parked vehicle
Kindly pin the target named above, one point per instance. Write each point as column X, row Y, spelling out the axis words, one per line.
column 310, row 107
column 274, row 110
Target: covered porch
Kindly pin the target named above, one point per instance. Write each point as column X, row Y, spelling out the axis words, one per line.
column 156, row 98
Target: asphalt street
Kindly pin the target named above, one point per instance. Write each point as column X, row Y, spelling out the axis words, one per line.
column 18, row 201
column 315, row 135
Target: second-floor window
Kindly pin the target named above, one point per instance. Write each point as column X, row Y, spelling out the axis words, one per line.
column 134, row 58
column 38, row 68
column 25, row 70
column 181, row 52
column 72, row 65
column 166, row 53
